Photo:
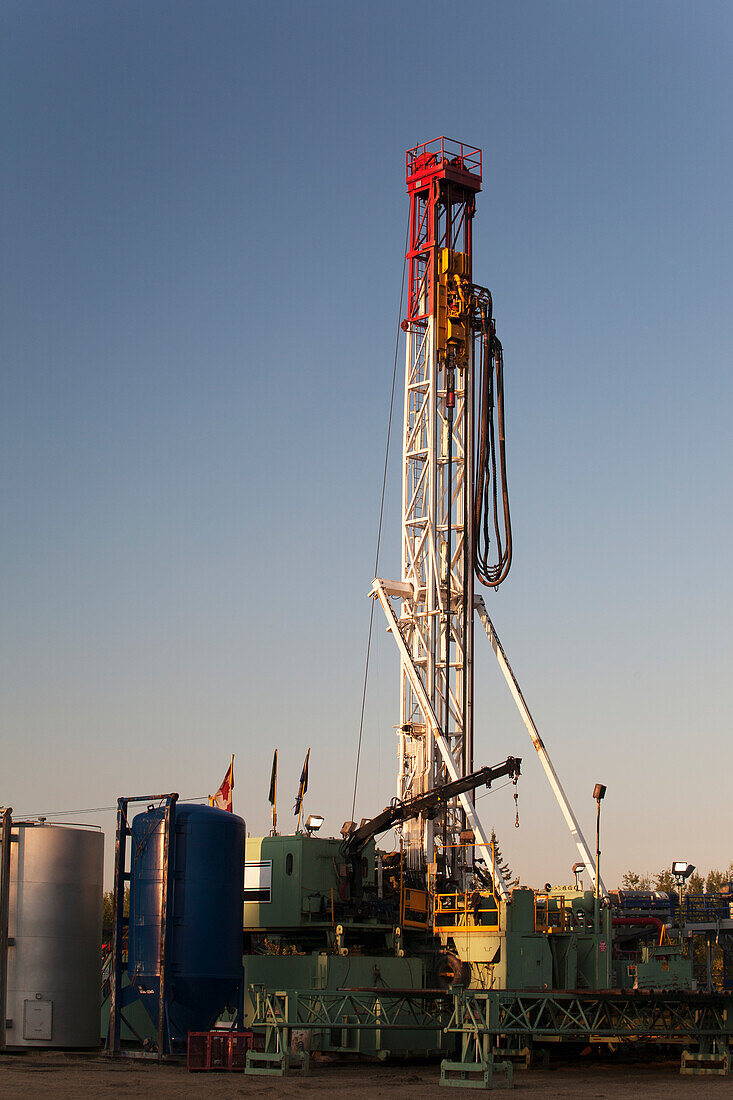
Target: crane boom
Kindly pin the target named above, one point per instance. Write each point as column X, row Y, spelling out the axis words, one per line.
column 429, row 803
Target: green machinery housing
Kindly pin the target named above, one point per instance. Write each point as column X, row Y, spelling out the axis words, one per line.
column 323, row 917
column 315, row 923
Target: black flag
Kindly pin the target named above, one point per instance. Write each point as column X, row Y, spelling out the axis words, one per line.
column 303, row 785
column 273, row 781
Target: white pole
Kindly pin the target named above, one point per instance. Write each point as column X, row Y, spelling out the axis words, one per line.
column 562, row 799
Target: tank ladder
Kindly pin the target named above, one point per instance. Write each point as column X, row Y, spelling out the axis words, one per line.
column 118, row 997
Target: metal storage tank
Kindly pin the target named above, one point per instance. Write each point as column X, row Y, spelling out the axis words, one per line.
column 203, row 958
column 54, row 936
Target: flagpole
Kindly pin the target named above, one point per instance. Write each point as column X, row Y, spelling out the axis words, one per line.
column 302, row 788
column 231, row 789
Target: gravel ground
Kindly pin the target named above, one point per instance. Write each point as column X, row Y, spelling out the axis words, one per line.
column 68, row 1077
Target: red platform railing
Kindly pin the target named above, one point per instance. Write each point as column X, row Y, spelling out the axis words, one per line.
column 443, row 150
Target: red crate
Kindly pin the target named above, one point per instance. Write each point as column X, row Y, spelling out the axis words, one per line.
column 198, row 1050
column 218, row 1050
column 240, row 1042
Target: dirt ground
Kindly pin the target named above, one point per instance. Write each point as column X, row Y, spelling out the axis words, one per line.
column 68, row 1077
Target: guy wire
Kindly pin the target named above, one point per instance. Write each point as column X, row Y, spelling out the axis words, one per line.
column 381, row 518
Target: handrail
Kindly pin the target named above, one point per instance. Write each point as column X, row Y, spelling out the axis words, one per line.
column 464, row 911
column 468, row 156
column 561, row 909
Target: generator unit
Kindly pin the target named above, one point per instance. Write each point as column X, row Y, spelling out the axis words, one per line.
column 311, row 922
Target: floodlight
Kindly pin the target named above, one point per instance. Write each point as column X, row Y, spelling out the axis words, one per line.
column 599, row 792
column 313, row 824
column 347, row 828
column 682, row 870
column 578, row 869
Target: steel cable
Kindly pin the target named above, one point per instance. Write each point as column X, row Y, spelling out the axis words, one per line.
column 381, row 519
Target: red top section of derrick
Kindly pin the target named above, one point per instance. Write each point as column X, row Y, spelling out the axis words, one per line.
column 443, row 177
column 443, row 158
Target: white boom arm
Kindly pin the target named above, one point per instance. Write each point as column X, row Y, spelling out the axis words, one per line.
column 567, row 811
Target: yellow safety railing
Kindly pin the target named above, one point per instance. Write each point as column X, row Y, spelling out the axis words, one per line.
column 473, row 909
column 552, row 913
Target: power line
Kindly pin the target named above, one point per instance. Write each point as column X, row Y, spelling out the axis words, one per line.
column 93, row 809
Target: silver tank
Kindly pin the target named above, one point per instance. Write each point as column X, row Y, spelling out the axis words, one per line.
column 55, row 936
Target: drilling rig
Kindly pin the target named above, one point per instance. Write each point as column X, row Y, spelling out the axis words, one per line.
column 425, row 949
column 456, row 524
column 456, row 534
column 455, row 505
column 440, row 903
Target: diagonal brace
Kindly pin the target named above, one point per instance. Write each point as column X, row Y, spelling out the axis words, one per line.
column 482, row 842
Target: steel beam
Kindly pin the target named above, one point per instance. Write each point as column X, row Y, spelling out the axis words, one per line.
column 312, row 1009
column 604, row 1015
column 557, row 789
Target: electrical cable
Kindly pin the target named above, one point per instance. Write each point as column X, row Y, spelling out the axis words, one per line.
column 92, row 810
column 381, row 519
column 493, row 790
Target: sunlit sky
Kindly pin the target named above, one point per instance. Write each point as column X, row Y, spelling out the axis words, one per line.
column 203, row 219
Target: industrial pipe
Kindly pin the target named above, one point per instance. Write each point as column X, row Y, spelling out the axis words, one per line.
column 625, row 922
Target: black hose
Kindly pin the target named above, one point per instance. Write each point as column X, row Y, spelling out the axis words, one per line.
column 491, row 522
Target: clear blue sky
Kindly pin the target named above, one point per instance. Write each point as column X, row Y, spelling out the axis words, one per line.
column 203, row 223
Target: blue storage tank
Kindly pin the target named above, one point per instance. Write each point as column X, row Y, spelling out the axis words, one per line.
column 204, row 936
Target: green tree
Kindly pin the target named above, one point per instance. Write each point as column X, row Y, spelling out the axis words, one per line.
column 714, row 881
column 632, row 880
column 108, row 906
column 695, row 884
column 502, row 865
column 665, row 880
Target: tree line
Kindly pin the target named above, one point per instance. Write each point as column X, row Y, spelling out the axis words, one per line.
column 108, row 901
column 665, row 880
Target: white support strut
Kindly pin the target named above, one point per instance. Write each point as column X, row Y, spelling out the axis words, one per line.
column 380, row 588
column 562, row 800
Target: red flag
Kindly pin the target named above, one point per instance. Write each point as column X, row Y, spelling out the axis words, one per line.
column 223, row 797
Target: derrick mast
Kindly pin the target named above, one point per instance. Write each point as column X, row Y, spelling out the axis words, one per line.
column 456, row 526
column 448, row 324
column 443, row 178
